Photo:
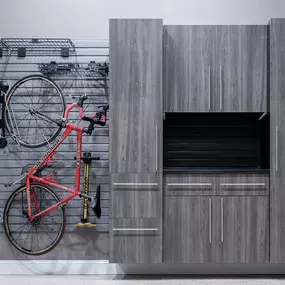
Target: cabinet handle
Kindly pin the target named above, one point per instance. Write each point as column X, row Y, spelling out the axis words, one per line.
column 222, row 219
column 210, row 220
column 221, row 88
column 135, row 229
column 135, row 184
column 189, row 184
column 209, row 88
column 243, row 184
column 156, row 148
column 276, row 148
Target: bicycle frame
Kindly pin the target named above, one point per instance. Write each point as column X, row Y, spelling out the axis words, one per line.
column 43, row 161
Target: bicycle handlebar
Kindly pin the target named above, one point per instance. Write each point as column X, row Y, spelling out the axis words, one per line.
column 81, row 100
column 99, row 118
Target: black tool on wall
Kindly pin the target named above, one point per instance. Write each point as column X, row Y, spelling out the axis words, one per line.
column 95, row 201
column 4, row 87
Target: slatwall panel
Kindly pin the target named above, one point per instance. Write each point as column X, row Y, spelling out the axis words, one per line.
column 73, row 84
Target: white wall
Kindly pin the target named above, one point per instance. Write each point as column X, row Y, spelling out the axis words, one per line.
column 89, row 18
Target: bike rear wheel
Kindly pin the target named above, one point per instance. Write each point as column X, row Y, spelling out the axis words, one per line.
column 28, row 96
column 45, row 232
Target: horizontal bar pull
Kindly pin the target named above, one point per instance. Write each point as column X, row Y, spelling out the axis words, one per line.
column 189, row 185
column 132, row 185
column 248, row 186
column 135, row 229
column 242, row 184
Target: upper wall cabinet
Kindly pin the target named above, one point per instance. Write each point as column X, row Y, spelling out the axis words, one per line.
column 135, row 95
column 242, row 68
column 215, row 68
column 188, row 68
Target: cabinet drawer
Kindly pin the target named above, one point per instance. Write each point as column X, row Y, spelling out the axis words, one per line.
column 135, row 195
column 135, row 241
column 243, row 184
column 188, row 184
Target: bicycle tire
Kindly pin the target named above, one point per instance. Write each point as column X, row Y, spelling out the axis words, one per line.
column 7, row 227
column 9, row 122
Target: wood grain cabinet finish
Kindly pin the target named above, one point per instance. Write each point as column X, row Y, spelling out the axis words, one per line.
column 241, row 68
column 277, row 141
column 188, row 229
column 187, row 70
column 135, row 195
column 242, row 184
column 135, row 241
column 135, row 95
column 215, row 68
column 244, row 235
column 216, row 229
column 188, row 184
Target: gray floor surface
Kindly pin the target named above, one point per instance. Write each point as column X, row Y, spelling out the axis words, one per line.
column 136, row 280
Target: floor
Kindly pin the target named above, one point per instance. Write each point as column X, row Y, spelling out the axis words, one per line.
column 136, row 280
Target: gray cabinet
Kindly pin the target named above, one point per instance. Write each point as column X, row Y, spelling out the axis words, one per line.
column 277, row 141
column 241, row 184
column 215, row 68
column 189, row 229
column 189, row 184
column 135, row 241
column 241, row 68
column 216, row 229
column 135, row 195
column 188, row 68
column 216, row 218
column 244, row 229
column 135, row 95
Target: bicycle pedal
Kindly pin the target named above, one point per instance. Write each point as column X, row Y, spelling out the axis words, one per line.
column 85, row 225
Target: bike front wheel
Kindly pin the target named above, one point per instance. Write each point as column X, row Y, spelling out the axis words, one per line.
column 30, row 96
column 41, row 235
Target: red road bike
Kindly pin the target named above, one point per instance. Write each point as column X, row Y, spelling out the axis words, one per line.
column 34, row 217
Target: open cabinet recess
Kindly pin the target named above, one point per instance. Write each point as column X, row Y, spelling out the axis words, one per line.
column 220, row 141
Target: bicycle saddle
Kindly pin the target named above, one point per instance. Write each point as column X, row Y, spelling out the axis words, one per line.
column 4, row 86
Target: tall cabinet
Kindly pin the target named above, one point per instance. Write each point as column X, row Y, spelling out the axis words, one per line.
column 136, row 140
column 277, row 142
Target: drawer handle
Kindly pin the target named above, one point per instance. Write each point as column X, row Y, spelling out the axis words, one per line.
column 189, row 184
column 243, row 184
column 135, row 229
column 135, row 184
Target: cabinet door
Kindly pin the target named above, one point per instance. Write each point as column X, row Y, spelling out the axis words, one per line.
column 241, row 68
column 241, row 184
column 244, row 227
column 135, row 241
column 187, row 69
column 189, row 184
column 135, row 195
column 277, row 141
column 189, row 229
column 135, row 95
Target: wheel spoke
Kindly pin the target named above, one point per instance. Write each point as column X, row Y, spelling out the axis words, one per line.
column 22, row 230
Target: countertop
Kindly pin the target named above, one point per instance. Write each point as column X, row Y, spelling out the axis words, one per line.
column 215, row 170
